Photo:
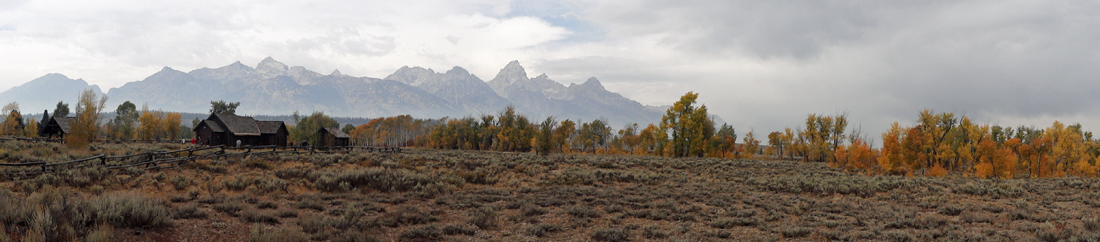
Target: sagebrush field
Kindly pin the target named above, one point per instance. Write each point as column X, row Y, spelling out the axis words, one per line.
column 425, row 195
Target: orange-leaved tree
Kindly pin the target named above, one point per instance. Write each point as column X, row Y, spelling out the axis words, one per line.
column 859, row 155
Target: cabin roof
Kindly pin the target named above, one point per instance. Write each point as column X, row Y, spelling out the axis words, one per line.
column 270, row 127
column 238, row 125
column 335, row 132
column 65, row 123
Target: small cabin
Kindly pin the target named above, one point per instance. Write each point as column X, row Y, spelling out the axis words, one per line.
column 227, row 129
column 273, row 132
column 332, row 137
column 57, row 127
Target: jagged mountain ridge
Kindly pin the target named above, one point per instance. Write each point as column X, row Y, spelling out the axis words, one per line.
column 542, row 97
column 457, row 86
column 273, row 88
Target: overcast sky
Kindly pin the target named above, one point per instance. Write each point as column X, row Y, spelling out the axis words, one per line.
column 760, row 65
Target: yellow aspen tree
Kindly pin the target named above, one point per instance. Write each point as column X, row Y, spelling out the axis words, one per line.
column 752, row 146
column 702, row 128
column 775, row 144
column 13, row 124
column 811, row 139
column 937, row 134
column 544, row 140
column 31, row 129
column 786, row 140
column 149, row 125
column 563, row 135
column 967, row 141
column 689, row 127
column 837, row 132
column 85, row 128
column 1086, row 169
column 1068, row 152
column 892, row 159
column 171, row 125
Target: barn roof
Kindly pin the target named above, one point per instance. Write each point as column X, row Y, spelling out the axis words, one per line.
column 213, row 126
column 270, row 127
column 336, row 132
column 66, row 123
column 239, row 125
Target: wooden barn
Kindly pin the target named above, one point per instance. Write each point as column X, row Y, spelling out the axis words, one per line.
column 227, row 129
column 57, row 127
column 332, row 137
column 273, row 132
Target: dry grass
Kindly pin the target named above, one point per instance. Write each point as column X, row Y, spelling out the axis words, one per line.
column 427, row 195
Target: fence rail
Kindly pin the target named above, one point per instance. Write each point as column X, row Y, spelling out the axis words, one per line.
column 169, row 159
column 101, row 141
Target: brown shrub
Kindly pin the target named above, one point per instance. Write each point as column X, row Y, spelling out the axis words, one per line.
column 459, row 229
column 232, row 208
column 188, row 212
column 404, row 215
column 610, row 234
column 254, row 216
column 484, row 217
column 258, row 234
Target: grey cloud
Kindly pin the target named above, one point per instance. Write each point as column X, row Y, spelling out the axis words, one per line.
column 987, row 59
column 1027, row 62
column 768, row 29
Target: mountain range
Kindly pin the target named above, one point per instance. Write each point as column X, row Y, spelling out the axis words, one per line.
column 44, row 92
column 273, row 88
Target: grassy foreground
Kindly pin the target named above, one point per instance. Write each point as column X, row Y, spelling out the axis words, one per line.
column 426, row 195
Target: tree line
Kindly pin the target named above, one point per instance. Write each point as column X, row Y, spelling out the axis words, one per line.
column 129, row 123
column 83, row 130
column 686, row 129
column 939, row 144
column 936, row 144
